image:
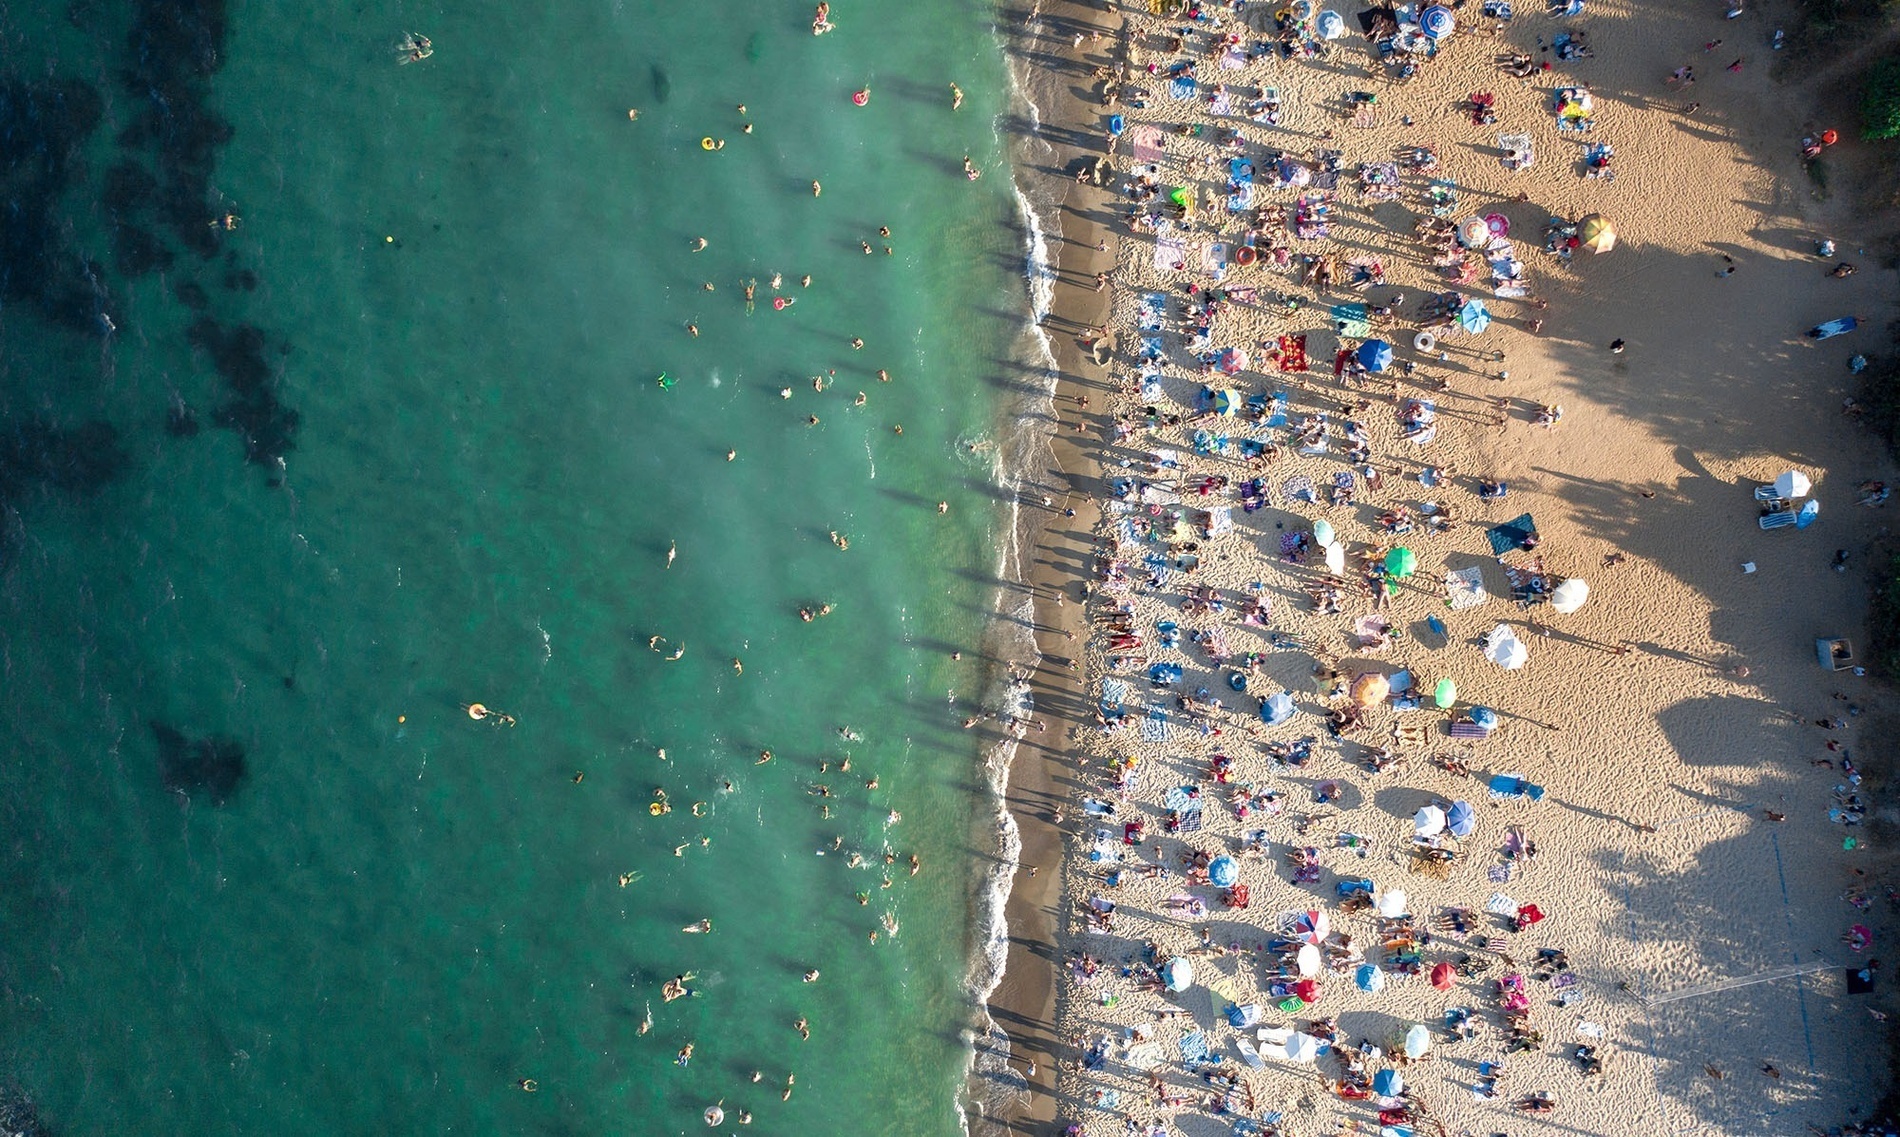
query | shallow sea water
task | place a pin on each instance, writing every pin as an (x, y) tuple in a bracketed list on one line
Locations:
[(465, 276)]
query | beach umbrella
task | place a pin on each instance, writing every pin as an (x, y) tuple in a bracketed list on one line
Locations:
[(1375, 355), (1810, 510), (1391, 904), (1569, 596), (1445, 694), (1311, 926), (1474, 233), (1502, 647), (1222, 872), (1179, 974), (1388, 1083), (1417, 1041), (1226, 402), (1401, 563), (1596, 234), (1335, 558), (1436, 21), (1277, 708), (1331, 25), (1369, 978), (1461, 819), (1474, 317), (1308, 961), (1429, 822), (1302, 1048), (1323, 532), (1443, 976), (1370, 689), (1484, 718), (1307, 990), (1181, 196), (1232, 359), (1792, 484), (1497, 224)]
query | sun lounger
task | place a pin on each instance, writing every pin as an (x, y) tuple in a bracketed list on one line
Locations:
[(1780, 519)]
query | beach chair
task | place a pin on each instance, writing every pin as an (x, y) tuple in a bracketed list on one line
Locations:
[(1779, 519)]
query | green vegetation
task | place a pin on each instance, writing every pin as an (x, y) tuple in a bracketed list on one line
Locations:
[(1880, 100)]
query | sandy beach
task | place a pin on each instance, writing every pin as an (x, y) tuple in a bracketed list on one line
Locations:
[(1689, 874)]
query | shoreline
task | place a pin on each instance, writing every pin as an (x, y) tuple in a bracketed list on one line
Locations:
[(1024, 1004)]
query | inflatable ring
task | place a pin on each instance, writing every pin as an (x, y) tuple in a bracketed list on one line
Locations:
[(1244, 255), (1424, 341), (708, 144), (779, 303), (861, 96)]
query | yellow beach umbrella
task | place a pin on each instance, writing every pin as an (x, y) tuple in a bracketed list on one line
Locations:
[(1596, 234)]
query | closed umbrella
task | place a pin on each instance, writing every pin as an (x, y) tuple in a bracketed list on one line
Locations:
[(1436, 21), (1323, 532), (1792, 484), (1277, 708), (1461, 819), (1596, 234), (1484, 717), (1429, 822), (1388, 1083), (1569, 596), (1369, 978), (1179, 974), (1474, 317), (1445, 694), (1375, 355), (1417, 1041), (1335, 558), (1307, 960), (1370, 689), (1443, 976), (1391, 904), (1222, 872)]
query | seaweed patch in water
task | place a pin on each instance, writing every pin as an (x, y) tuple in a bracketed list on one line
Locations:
[(213, 766), (267, 426), (36, 454), (46, 126)]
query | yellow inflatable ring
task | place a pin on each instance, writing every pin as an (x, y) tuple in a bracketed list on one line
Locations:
[(707, 144)]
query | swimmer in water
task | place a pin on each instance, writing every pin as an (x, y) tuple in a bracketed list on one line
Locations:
[(674, 658), (789, 1080), (731, 455), (646, 1023), (627, 878), (956, 96), (699, 243), (672, 551), (700, 928), (764, 757), (816, 189), (884, 231), (751, 288), (811, 976), (883, 376), (915, 864), (867, 247), (840, 540), (859, 401), (692, 330), (805, 281), (849, 735), (803, 1028), (685, 1054), (737, 667), (778, 278), (969, 169)]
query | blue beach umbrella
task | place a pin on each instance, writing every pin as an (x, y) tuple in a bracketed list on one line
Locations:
[(1222, 872), (1484, 717), (1375, 355), (1178, 975), (1277, 708), (1388, 1083), (1461, 819), (1474, 317), (1436, 21), (1369, 978)]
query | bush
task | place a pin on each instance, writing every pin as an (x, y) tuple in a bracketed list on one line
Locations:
[(1880, 100)]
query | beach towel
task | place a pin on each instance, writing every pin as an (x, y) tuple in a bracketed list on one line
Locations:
[(1350, 321), (1501, 905), (1464, 588), (1515, 534), (1234, 58), (1276, 413), (1221, 104), (1214, 259), (1379, 181), (1241, 198), (1154, 727), (1145, 143), (1169, 253), (1498, 874), (1151, 311), (1191, 819), (1115, 692), (1299, 487), (1253, 1060), (1514, 786), (1143, 1056), (1151, 349), (1194, 1052), (1182, 87), (1292, 353)]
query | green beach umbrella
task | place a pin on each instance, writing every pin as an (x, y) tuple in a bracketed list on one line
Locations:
[(1323, 532), (1446, 694), (1401, 562)]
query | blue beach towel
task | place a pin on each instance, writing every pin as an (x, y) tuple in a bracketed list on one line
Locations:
[(1515, 534), (1194, 1052), (1182, 87)]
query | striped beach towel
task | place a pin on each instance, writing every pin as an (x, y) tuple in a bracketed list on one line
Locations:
[(1154, 728)]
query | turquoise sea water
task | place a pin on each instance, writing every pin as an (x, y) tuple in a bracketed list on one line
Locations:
[(462, 279)]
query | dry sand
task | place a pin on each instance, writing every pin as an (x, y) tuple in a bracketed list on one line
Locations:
[(1661, 865)]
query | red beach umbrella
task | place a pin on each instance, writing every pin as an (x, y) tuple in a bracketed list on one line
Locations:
[(1442, 976), (1307, 990)]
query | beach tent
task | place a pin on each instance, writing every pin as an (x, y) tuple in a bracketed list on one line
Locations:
[(1388, 1083), (1436, 21), (1810, 510), (1369, 978), (1222, 872), (1335, 556), (1391, 904), (1311, 926), (1401, 563), (1445, 694), (1429, 821), (1461, 819), (1178, 975), (1370, 689), (1323, 532), (1276, 708), (1502, 647), (1484, 718), (1417, 1041), (1596, 234), (1375, 355), (1474, 317), (1569, 596), (1307, 960), (1443, 976), (1792, 484)]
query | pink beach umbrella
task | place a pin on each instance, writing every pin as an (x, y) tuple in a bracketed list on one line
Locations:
[(1497, 224), (1311, 926)]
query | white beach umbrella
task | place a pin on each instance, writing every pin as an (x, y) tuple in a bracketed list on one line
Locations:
[(1302, 1048), (1502, 647), (1323, 531), (1792, 484), (1309, 961), (1569, 596), (1179, 974), (1417, 1041), (1392, 904), (1427, 822)]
